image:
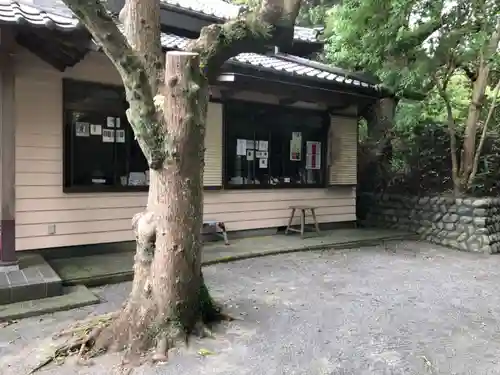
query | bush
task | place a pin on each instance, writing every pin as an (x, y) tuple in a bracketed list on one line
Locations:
[(421, 163)]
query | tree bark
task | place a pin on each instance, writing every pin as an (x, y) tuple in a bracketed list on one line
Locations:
[(466, 179), (380, 122), (141, 27), (168, 107), (479, 149), (165, 303)]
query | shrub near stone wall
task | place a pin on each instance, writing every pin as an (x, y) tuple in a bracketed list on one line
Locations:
[(469, 224)]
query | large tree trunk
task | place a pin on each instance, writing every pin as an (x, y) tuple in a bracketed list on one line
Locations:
[(168, 295), (168, 108)]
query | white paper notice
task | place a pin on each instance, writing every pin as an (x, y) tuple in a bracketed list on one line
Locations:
[(261, 154), (296, 146), (95, 129), (82, 129), (120, 136), (117, 122), (241, 147), (110, 122), (250, 144), (262, 163), (108, 135), (249, 155), (263, 145)]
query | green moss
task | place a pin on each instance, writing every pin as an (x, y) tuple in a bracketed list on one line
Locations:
[(209, 310)]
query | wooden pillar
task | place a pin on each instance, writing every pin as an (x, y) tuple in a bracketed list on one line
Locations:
[(8, 258)]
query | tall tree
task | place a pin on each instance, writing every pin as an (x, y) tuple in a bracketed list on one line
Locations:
[(415, 47), (168, 98)]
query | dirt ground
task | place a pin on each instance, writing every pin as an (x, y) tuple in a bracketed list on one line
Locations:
[(401, 308)]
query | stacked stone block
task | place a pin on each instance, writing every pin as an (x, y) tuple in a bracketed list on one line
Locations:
[(468, 224)]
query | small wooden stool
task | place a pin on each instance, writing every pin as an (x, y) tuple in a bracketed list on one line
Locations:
[(303, 210), (216, 227)]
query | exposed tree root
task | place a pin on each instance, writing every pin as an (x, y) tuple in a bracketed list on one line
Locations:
[(99, 334)]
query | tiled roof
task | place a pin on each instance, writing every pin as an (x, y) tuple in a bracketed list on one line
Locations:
[(54, 14), (12, 11), (277, 64), (20, 12), (216, 8), (171, 41), (306, 33)]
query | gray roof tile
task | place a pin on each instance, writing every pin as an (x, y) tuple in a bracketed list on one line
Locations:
[(274, 63), (307, 34), (53, 13), (20, 12), (14, 12), (215, 8), (277, 64)]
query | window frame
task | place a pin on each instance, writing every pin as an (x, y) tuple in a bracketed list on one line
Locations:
[(324, 114), (67, 148)]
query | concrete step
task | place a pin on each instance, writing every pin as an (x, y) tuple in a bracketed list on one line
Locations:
[(71, 298), (35, 279)]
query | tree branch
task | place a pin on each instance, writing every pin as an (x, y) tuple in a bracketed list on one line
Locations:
[(271, 24), (141, 27), (142, 113), (412, 39)]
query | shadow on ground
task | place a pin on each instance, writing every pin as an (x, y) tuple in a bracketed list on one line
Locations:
[(402, 308)]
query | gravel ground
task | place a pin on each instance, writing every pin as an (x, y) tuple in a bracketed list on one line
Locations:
[(402, 308)]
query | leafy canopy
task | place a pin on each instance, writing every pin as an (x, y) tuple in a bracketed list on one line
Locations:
[(407, 42)]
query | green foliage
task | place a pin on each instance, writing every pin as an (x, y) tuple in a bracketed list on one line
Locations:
[(410, 114), (411, 46), (407, 42), (313, 13), (423, 161)]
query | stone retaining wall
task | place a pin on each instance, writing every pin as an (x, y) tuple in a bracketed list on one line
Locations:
[(469, 224)]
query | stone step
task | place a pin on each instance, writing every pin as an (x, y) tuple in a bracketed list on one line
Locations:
[(35, 279)]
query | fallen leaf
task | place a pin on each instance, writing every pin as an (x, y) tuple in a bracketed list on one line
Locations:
[(205, 352)]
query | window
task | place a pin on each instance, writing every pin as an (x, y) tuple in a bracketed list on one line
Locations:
[(101, 153), (271, 146)]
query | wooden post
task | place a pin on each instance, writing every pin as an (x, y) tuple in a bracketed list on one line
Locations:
[(8, 258)]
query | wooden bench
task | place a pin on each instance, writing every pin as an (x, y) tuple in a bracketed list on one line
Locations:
[(216, 227), (302, 210)]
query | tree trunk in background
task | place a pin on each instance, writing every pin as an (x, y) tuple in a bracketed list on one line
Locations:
[(375, 160), (380, 123), (463, 183), (465, 179)]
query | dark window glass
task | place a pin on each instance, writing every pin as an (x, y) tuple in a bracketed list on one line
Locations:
[(271, 146), (100, 150)]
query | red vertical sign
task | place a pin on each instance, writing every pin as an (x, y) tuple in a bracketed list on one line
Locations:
[(313, 156)]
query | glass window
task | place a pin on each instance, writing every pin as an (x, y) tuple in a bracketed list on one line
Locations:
[(100, 150), (272, 146)]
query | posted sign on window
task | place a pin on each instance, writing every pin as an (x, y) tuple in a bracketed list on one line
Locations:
[(296, 147), (313, 155)]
